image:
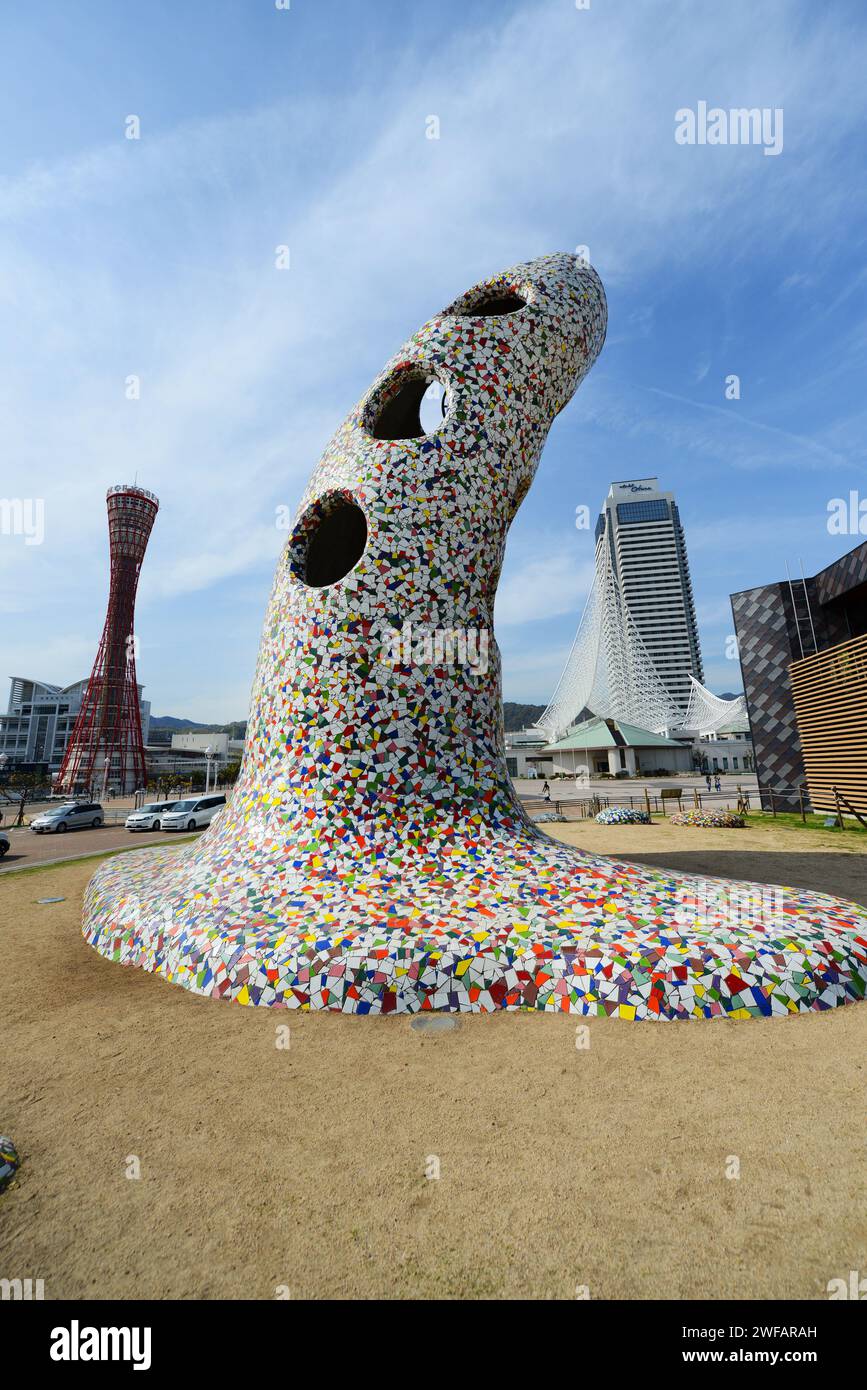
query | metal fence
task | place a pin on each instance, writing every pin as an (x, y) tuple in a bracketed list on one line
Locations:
[(659, 803), (772, 801)]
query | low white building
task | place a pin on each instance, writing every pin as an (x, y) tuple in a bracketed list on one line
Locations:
[(608, 746), (200, 743), (725, 753), (186, 754), (524, 756)]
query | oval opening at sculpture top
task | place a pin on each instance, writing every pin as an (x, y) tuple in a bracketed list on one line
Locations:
[(329, 541), (492, 306), (410, 409)]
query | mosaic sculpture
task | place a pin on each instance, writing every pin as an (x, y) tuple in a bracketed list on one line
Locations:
[(9, 1161), (374, 857)]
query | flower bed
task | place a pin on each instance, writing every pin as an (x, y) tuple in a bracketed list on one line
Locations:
[(622, 815), (709, 820)]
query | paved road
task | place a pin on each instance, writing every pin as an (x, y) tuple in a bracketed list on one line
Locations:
[(28, 848)]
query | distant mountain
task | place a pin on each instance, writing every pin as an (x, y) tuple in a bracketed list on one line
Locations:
[(237, 729), (168, 721), (516, 716), (189, 726), (727, 695)]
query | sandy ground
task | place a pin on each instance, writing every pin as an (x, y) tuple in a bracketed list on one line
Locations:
[(821, 861), (304, 1166)]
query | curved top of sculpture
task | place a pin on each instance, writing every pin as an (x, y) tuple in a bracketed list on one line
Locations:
[(399, 540), (374, 855)]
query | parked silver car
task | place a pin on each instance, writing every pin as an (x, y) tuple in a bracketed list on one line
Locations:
[(193, 813), (149, 817), (69, 815)]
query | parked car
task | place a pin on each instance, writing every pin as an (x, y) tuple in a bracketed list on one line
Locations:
[(149, 817), (5, 842), (69, 815), (193, 813)]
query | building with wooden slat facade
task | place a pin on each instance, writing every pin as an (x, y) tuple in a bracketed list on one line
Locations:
[(830, 696), (790, 623)]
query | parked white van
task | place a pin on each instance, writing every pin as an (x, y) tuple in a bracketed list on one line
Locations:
[(193, 813), (149, 817)]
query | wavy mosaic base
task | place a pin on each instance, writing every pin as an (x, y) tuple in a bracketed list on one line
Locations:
[(536, 926), (374, 857)]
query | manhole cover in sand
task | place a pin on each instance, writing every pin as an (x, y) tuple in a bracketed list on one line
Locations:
[(433, 1023)]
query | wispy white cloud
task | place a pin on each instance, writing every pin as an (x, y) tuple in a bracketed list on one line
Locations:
[(543, 586)]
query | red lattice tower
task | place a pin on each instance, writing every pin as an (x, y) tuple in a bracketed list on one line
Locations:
[(105, 748)]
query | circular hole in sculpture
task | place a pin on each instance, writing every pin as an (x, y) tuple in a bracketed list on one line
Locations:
[(329, 541), (492, 306), (409, 407)]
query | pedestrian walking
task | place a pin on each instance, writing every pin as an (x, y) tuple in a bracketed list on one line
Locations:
[(546, 792), (717, 783)]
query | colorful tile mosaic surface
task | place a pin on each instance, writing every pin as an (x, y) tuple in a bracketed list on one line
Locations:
[(374, 857), (9, 1161)]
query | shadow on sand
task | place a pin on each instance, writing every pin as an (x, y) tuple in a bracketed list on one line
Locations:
[(841, 875)]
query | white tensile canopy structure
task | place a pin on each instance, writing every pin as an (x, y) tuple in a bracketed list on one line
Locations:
[(707, 713), (610, 672)]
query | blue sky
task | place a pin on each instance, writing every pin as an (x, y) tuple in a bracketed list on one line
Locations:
[(306, 127)]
